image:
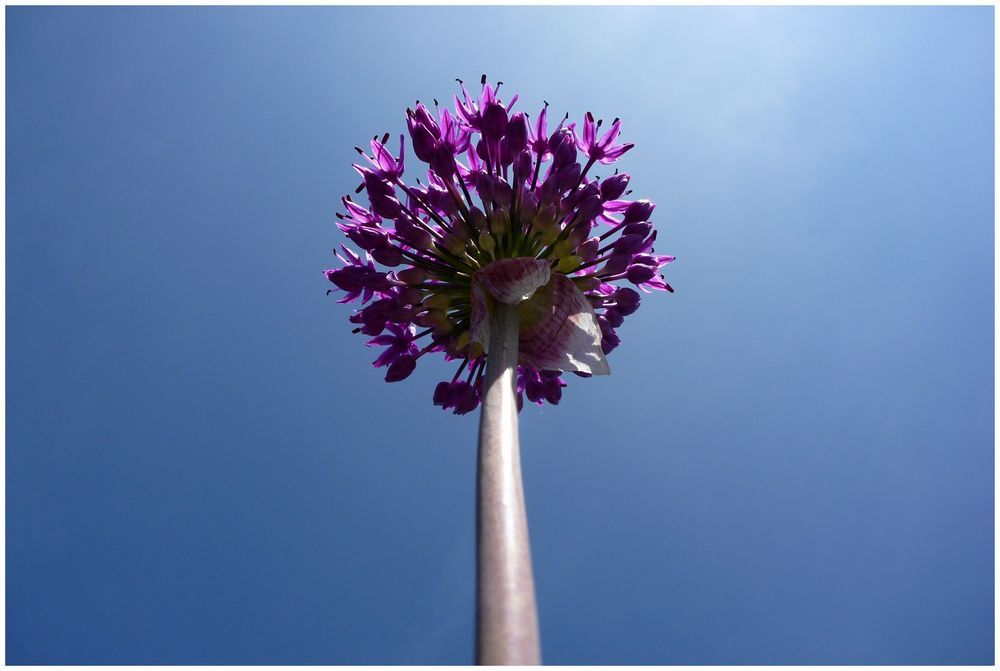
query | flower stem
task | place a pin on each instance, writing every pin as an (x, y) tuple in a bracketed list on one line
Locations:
[(506, 616)]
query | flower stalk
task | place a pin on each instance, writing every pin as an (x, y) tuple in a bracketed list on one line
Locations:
[(513, 273), (506, 615)]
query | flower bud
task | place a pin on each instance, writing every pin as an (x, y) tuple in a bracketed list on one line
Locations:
[(558, 137), (522, 166), (568, 177), (443, 328), (483, 150), (423, 142), (439, 300), (565, 154), (617, 263), (423, 319), (613, 187), (529, 206), (502, 193), (549, 236), (638, 211), (626, 300), (588, 249), (517, 133), (389, 255), (423, 117), (348, 278), (409, 296), (581, 231), (638, 273), (639, 228), (486, 242), (412, 275), (499, 223), (444, 394), (368, 237), (545, 219), (454, 244), (494, 122), (589, 208), (610, 342), (413, 235), (506, 155), (568, 264), (563, 248), (629, 244), (401, 368), (466, 398), (443, 161), (484, 185), (477, 219)]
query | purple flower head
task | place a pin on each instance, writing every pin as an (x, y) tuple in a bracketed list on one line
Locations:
[(507, 212)]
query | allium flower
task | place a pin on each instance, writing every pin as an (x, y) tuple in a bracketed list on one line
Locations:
[(506, 213)]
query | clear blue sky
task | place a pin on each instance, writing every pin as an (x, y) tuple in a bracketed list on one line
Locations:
[(792, 462)]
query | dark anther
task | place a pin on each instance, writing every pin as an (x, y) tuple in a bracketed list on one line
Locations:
[(435, 102), (359, 150), (629, 192), (546, 102), (361, 187), (599, 122), (482, 79), (616, 120), (459, 80), (385, 138)]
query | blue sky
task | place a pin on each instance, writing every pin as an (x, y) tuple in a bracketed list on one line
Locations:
[(791, 463)]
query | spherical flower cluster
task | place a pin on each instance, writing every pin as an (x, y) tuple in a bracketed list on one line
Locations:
[(509, 214)]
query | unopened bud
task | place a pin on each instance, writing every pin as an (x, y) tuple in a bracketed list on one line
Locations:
[(438, 301), (454, 244), (568, 264), (499, 223), (486, 242), (412, 275)]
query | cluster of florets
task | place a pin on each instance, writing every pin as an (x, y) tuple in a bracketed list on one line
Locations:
[(533, 201)]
